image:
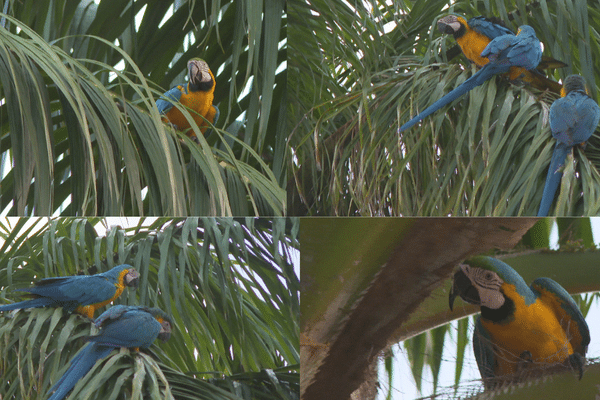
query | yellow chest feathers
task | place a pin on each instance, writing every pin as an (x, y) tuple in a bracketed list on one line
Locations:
[(472, 44), (200, 102), (535, 328)]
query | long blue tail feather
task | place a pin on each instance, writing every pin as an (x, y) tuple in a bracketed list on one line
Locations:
[(478, 79), (553, 178), (80, 366), (33, 303)]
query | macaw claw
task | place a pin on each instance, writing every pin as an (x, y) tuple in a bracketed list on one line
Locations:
[(576, 362)]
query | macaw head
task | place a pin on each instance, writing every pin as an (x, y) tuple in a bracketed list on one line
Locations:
[(489, 283), (124, 274), (574, 83), (200, 75), (132, 278), (526, 30), (129, 276), (165, 323), (452, 24)]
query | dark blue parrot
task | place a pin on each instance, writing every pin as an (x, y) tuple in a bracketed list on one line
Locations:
[(120, 326), (521, 50), (83, 294), (520, 327), (573, 119)]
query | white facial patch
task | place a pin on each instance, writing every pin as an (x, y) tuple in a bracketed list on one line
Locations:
[(488, 285), (455, 26), (204, 69), (200, 68)]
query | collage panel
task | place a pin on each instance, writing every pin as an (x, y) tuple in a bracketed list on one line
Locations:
[(143, 107), (415, 308), (149, 308), (444, 108)]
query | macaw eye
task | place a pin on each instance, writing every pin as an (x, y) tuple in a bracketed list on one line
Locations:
[(489, 276)]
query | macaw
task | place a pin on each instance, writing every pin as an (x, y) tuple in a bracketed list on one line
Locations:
[(475, 34), (573, 119), (520, 327), (504, 52), (83, 294), (120, 326), (197, 95)]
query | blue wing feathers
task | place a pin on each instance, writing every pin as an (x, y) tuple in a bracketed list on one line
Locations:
[(488, 28), (141, 330), (163, 105), (112, 314), (70, 291), (78, 289), (482, 347), (217, 114)]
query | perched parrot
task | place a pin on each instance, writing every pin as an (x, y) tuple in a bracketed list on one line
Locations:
[(573, 119), (475, 34), (83, 294), (520, 327), (198, 96), (120, 326), (504, 52)]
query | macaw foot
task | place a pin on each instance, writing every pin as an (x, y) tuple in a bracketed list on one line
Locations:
[(576, 362), (86, 312), (526, 356), (525, 360), (87, 318)]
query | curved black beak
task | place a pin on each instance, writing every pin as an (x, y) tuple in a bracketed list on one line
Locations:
[(165, 331), (194, 73), (445, 28), (462, 286), (132, 278)]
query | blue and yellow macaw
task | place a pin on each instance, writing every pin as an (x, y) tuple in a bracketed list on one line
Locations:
[(83, 294), (504, 52), (475, 34), (120, 326), (520, 327), (197, 95), (573, 119)]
